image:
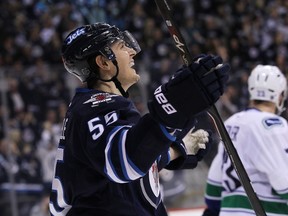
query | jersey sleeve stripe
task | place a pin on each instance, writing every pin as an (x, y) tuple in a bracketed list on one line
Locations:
[(130, 171), (166, 133), (169, 157), (108, 168)]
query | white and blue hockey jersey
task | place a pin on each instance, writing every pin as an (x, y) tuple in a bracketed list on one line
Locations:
[(261, 140)]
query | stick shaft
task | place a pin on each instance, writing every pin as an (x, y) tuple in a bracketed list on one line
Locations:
[(166, 13)]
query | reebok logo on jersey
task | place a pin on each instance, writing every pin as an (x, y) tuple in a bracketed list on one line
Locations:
[(271, 122), (98, 98)]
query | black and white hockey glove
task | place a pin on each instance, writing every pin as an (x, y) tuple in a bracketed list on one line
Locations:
[(191, 90), (195, 140), (192, 148)]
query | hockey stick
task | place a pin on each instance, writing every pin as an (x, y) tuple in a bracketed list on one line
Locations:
[(165, 11)]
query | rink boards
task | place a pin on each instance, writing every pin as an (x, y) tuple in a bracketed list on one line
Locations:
[(186, 212)]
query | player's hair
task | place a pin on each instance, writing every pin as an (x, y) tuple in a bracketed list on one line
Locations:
[(83, 44), (267, 83)]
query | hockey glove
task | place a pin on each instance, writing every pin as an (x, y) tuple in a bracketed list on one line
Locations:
[(194, 141), (179, 162), (193, 148), (191, 90)]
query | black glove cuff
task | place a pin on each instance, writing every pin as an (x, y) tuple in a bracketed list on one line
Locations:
[(191, 162), (178, 162)]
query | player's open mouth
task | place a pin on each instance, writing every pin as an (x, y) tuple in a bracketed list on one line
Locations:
[(132, 64)]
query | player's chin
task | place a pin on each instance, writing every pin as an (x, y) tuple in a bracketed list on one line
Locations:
[(135, 75), (137, 78), (132, 80)]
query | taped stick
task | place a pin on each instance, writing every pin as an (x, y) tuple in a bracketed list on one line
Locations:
[(166, 13)]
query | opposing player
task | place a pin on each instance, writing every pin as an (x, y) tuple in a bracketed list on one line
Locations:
[(109, 156), (261, 139)]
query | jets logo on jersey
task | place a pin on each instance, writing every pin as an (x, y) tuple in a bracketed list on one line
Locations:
[(271, 122), (98, 98)]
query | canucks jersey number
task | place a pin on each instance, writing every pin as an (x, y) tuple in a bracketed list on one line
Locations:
[(231, 181)]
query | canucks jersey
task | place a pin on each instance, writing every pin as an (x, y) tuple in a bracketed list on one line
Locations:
[(108, 159), (261, 140)]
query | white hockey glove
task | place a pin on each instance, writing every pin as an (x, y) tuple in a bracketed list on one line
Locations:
[(192, 146), (195, 140)]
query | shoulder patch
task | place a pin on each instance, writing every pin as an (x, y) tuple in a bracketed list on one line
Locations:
[(272, 122), (99, 98)]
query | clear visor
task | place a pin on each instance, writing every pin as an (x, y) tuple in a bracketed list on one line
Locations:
[(130, 41)]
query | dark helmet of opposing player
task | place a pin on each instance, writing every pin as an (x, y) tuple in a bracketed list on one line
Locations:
[(89, 41)]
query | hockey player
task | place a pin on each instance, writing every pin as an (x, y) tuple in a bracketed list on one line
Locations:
[(261, 139), (109, 156)]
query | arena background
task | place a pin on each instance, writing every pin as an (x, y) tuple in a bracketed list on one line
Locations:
[(35, 88)]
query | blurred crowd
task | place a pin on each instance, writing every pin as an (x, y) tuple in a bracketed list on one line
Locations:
[(35, 88)]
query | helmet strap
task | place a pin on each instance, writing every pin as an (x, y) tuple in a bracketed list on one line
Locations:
[(117, 83), (119, 87), (113, 79)]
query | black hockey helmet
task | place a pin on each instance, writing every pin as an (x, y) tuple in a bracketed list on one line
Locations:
[(92, 40)]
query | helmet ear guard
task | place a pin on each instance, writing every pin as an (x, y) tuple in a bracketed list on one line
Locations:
[(267, 83)]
